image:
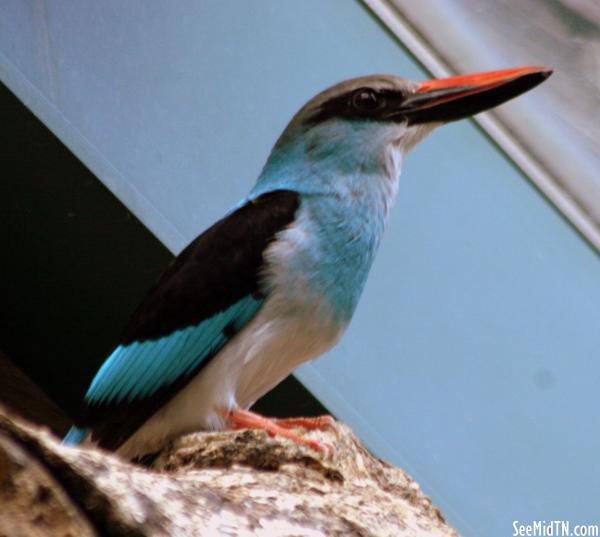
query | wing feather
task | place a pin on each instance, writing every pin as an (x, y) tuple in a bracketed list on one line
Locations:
[(206, 295), (139, 369)]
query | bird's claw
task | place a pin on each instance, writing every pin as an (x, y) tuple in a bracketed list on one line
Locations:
[(319, 423), (244, 419)]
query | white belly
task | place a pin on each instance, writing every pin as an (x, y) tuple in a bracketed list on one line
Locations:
[(276, 341)]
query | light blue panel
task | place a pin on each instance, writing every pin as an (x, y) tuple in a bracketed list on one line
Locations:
[(160, 98), (472, 360)]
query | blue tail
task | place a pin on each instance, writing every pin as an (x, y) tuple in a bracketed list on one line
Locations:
[(76, 435)]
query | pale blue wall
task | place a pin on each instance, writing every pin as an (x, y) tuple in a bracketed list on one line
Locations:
[(473, 357)]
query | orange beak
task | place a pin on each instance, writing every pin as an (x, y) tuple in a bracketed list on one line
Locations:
[(448, 99)]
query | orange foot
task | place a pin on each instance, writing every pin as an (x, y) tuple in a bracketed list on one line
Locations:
[(244, 419)]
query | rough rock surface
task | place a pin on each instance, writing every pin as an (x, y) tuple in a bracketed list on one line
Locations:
[(233, 483)]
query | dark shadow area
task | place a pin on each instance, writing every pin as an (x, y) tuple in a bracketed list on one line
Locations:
[(75, 264)]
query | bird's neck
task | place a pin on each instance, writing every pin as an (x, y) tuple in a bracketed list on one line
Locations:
[(325, 163)]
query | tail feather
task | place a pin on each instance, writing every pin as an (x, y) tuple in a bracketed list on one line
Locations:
[(76, 435)]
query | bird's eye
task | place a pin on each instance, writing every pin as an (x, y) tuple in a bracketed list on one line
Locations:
[(367, 100)]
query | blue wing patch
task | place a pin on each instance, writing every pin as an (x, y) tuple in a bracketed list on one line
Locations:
[(139, 369), (76, 435)]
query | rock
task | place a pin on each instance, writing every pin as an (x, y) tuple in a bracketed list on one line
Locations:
[(230, 483)]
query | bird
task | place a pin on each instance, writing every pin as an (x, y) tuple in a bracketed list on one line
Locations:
[(276, 281)]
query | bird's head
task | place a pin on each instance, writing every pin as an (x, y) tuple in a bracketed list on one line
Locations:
[(365, 125)]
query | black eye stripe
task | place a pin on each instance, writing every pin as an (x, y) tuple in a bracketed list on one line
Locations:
[(360, 103)]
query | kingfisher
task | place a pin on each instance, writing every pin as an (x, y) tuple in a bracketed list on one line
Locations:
[(276, 281)]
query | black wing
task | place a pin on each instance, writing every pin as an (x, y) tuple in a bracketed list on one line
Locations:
[(212, 288)]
